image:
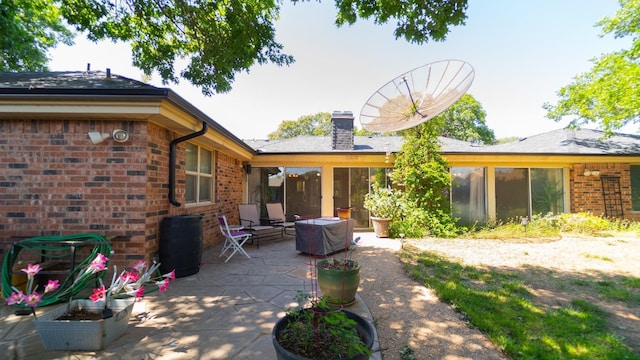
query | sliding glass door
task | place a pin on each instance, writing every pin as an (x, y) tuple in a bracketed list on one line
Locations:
[(303, 191), (468, 194), (523, 192)]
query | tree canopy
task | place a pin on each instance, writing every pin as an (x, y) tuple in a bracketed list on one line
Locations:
[(28, 29), (217, 38), (608, 94), (465, 120), (309, 125)]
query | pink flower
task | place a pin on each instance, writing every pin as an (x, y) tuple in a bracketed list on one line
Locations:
[(171, 275), (99, 263), (129, 277), (15, 298), (98, 294), (51, 286), (32, 299), (140, 292), (32, 270), (139, 266), (163, 285)]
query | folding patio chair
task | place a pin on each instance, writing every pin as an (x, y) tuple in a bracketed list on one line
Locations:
[(233, 239), (250, 221), (278, 218)]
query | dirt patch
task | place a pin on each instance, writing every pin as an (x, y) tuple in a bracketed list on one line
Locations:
[(558, 271)]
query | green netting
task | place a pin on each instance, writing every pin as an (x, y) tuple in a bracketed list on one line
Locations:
[(55, 247)]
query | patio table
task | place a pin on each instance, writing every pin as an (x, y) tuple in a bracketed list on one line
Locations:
[(323, 236)]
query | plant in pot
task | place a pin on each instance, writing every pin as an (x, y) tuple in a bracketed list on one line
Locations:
[(383, 203), (339, 278), (320, 331), (90, 324)]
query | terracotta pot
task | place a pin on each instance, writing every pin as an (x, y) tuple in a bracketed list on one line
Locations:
[(344, 213), (381, 226)]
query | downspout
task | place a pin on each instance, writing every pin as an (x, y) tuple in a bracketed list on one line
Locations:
[(172, 161)]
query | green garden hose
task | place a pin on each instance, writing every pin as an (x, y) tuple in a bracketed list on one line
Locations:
[(42, 246)]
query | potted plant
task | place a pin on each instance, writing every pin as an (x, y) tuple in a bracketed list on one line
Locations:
[(321, 332), (339, 278), (383, 204), (90, 324)]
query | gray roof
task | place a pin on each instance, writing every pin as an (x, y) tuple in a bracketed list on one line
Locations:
[(570, 142), (322, 144), (558, 142), (70, 82), (97, 84), (82, 84)]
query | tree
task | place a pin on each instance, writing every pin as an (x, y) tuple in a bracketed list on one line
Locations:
[(28, 29), (465, 120), (308, 125), (420, 168), (423, 175), (218, 38), (417, 20), (608, 94)]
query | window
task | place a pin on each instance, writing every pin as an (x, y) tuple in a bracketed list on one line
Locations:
[(522, 192), (546, 191), (635, 187), (468, 194), (199, 169)]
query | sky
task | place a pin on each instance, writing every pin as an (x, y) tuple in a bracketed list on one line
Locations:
[(522, 52)]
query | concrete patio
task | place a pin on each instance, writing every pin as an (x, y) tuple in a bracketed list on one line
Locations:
[(226, 310)]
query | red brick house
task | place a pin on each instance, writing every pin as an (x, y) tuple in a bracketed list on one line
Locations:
[(55, 181), (63, 170)]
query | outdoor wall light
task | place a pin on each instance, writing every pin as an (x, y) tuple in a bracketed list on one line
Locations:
[(588, 172), (118, 135)]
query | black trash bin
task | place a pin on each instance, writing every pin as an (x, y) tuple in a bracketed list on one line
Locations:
[(181, 244)]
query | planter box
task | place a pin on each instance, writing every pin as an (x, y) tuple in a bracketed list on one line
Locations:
[(88, 335)]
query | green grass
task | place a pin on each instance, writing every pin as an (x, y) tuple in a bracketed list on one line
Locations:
[(551, 227), (597, 257), (499, 304)]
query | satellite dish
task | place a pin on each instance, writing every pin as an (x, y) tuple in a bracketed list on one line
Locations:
[(416, 96)]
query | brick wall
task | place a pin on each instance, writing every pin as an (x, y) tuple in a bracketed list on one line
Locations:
[(54, 181), (586, 191)]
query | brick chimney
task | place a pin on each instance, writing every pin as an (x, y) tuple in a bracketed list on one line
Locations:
[(342, 130)]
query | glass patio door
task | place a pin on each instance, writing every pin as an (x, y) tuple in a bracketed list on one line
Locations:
[(349, 187), (525, 192), (468, 194), (303, 191)]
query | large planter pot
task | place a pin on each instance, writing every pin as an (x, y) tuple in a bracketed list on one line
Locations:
[(338, 286), (381, 226), (364, 328), (87, 335)]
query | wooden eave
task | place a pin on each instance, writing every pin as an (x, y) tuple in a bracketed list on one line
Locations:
[(321, 159), (163, 110), (476, 159)]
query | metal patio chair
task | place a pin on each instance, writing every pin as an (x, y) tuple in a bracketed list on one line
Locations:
[(250, 221), (234, 238), (278, 218)]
